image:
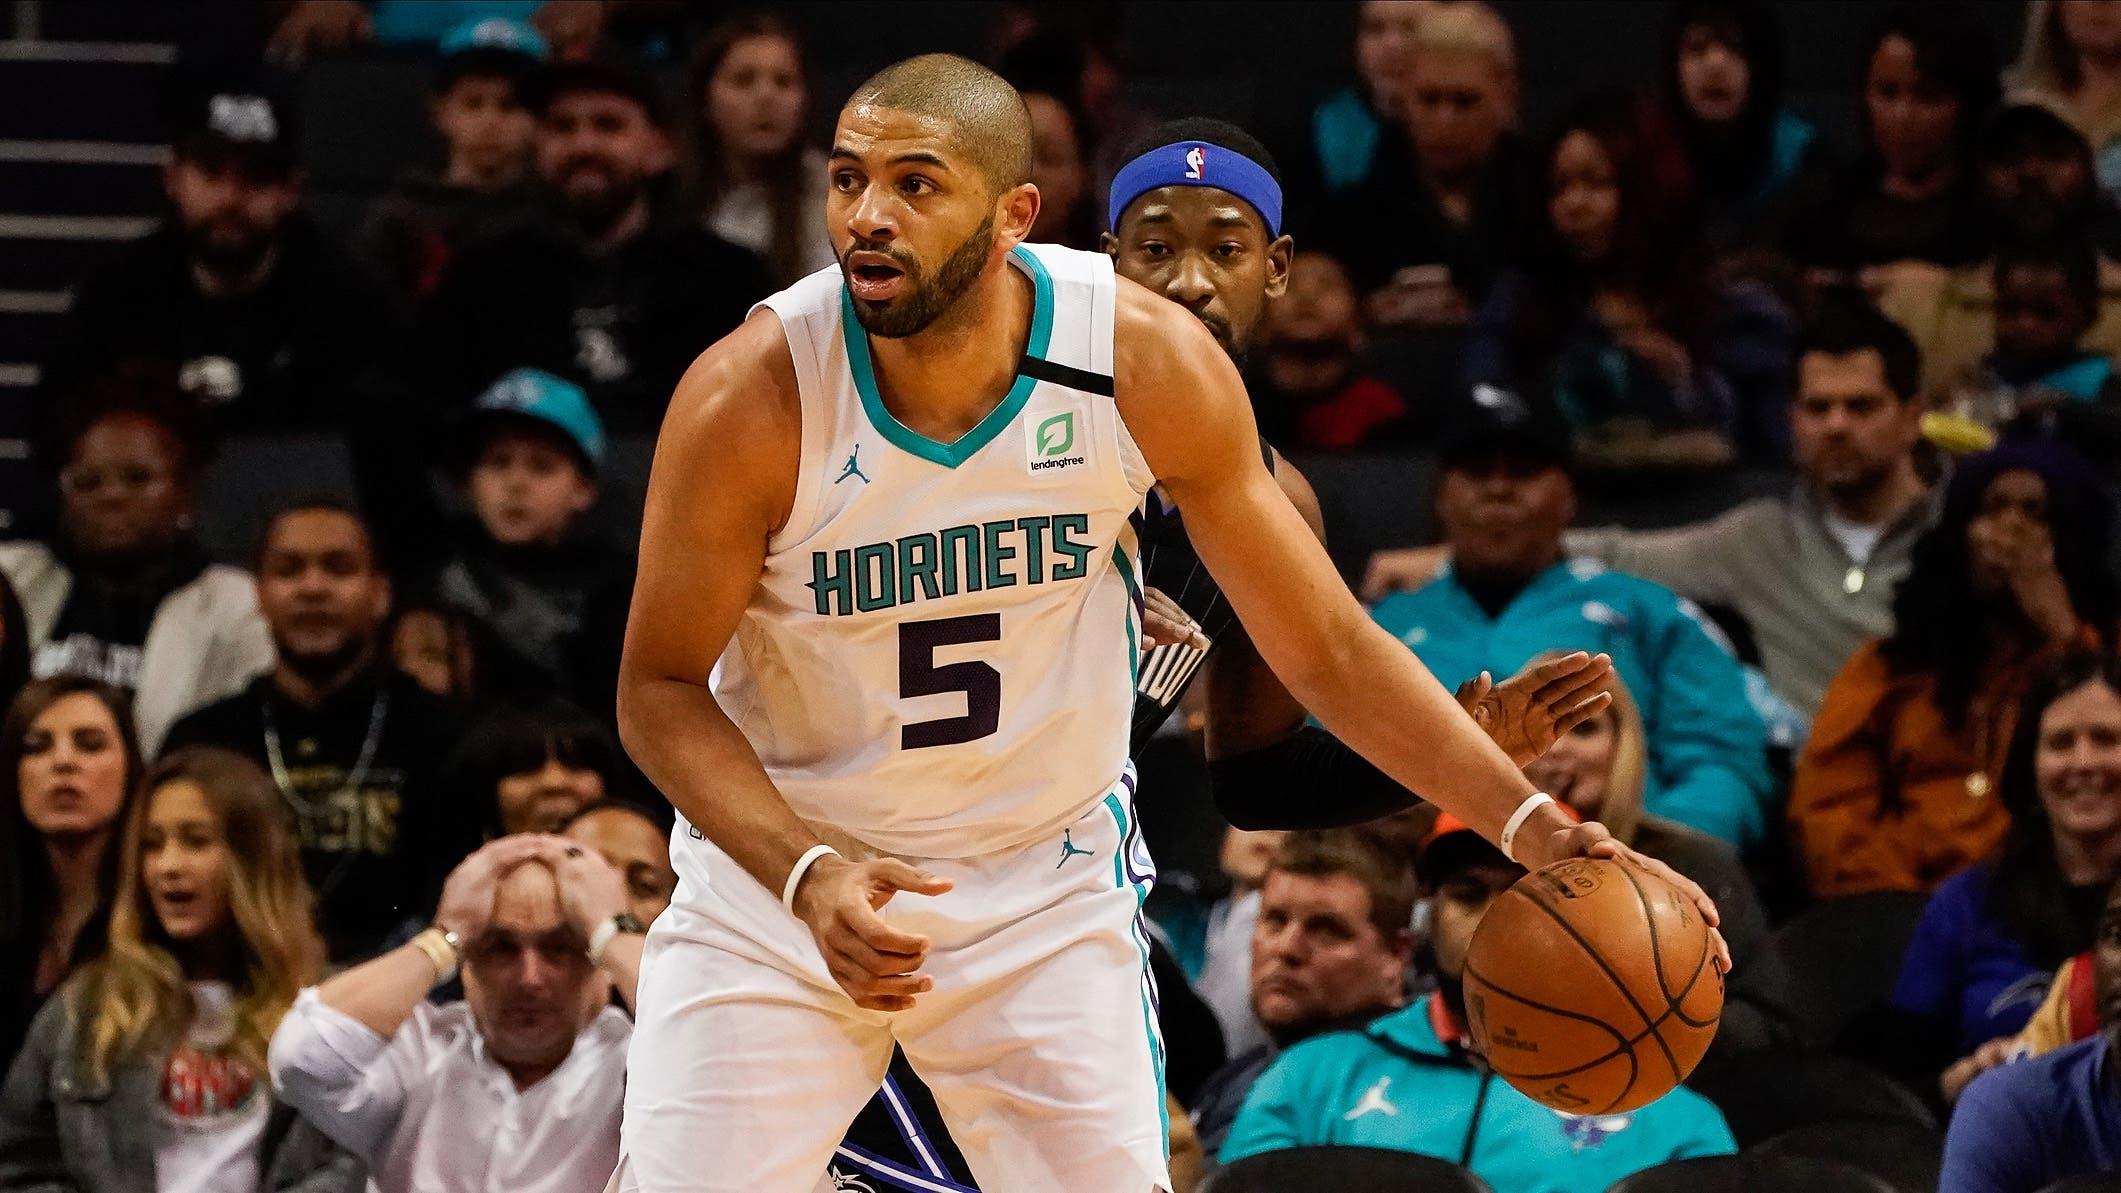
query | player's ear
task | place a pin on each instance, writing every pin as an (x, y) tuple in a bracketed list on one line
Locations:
[(1015, 212), (1280, 255), (1108, 244)]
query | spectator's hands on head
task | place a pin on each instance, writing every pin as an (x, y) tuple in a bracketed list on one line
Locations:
[(592, 892), (1545, 702), (467, 895), (314, 27)]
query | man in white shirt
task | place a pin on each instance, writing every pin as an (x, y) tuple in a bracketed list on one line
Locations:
[(516, 1087)]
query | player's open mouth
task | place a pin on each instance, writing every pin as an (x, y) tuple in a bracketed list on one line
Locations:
[(874, 277)]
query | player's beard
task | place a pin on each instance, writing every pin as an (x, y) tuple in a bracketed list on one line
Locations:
[(924, 301)]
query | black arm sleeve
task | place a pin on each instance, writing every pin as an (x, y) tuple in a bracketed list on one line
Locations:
[(1306, 780)]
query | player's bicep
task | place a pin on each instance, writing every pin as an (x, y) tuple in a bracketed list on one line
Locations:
[(722, 481)]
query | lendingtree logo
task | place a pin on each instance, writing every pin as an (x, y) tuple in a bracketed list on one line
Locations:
[(1057, 434)]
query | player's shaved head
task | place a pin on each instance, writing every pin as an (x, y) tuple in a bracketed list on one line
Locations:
[(987, 118)]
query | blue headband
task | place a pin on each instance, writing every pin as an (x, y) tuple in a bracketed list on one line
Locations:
[(1198, 163)]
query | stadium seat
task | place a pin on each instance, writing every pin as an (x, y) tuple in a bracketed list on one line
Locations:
[(1752, 1174), (1764, 1094), (1903, 1155), (1843, 956), (1346, 1170)]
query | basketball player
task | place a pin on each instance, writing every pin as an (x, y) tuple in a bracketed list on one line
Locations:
[(922, 680), (1189, 208)]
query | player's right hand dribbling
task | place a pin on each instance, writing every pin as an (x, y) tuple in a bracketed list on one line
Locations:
[(876, 964)]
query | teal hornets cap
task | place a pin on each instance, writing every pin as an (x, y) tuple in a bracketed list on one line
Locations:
[(494, 34), (552, 401)]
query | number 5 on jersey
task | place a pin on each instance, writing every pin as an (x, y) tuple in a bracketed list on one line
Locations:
[(919, 675)]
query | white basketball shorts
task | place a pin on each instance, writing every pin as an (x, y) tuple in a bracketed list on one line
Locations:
[(1039, 1039)]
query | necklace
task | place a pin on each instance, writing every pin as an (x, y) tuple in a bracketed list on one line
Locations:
[(304, 807)]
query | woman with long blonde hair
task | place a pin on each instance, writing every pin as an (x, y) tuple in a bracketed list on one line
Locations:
[(164, 1036), (1599, 768)]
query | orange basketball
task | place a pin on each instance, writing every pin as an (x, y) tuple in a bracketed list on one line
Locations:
[(1591, 985)]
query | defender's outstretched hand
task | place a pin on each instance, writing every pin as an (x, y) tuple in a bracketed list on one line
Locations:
[(1530, 711)]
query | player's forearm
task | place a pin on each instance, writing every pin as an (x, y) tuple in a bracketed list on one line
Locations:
[(688, 747), (1373, 694)]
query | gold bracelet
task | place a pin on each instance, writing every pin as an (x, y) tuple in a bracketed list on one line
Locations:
[(440, 945)]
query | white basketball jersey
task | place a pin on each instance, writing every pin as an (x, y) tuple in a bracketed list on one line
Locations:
[(940, 657)]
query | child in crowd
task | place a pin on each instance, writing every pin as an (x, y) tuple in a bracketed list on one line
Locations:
[(481, 113), (2047, 298), (1309, 384), (551, 592)]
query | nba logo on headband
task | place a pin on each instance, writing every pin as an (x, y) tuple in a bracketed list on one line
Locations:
[(1196, 162)]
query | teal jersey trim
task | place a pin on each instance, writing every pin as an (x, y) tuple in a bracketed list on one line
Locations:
[(1118, 808), (950, 455), (1125, 567)]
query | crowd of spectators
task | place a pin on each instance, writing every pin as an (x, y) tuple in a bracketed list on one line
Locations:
[(252, 815)]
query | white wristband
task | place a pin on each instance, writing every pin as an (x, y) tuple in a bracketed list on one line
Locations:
[(1508, 840), (802, 867)]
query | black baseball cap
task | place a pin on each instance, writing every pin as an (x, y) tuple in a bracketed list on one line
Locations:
[(240, 127), (1524, 442), (607, 75)]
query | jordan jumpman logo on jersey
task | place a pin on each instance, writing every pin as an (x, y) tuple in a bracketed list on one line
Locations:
[(853, 467), (1070, 849)]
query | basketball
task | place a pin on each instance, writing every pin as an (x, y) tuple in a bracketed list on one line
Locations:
[(1591, 986)]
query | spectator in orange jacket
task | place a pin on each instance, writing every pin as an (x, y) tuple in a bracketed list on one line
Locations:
[(1896, 788)]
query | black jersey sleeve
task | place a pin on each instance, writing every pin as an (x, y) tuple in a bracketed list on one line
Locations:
[(1309, 779)]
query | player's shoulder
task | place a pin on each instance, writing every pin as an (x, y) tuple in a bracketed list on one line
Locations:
[(1153, 338), (743, 384)]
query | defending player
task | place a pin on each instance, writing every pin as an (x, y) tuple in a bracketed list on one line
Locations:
[(935, 664), (1196, 212)]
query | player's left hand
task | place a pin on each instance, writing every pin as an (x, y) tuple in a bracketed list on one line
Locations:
[(1530, 711), (1592, 839)]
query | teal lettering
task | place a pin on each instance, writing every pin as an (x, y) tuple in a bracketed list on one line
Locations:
[(875, 577), (960, 543), (998, 554), (834, 587), (1034, 529), (1078, 554), (916, 561)]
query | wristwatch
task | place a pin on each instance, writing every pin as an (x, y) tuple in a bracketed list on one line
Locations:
[(624, 923)]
